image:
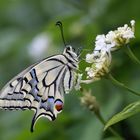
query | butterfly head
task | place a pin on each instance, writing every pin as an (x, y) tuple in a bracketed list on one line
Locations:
[(69, 52)]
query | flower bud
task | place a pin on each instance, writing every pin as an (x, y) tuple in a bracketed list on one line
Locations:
[(89, 101)]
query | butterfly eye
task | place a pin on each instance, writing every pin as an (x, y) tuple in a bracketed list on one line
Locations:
[(58, 105), (68, 48)]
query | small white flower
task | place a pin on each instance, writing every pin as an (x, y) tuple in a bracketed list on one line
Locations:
[(106, 43), (120, 37), (128, 34), (100, 66), (99, 43), (125, 32), (110, 41), (90, 72), (110, 37), (89, 58), (100, 37), (132, 23)]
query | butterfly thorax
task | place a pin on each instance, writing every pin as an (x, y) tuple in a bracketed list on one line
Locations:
[(71, 56)]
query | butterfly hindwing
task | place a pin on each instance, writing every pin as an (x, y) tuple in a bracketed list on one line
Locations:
[(41, 87)]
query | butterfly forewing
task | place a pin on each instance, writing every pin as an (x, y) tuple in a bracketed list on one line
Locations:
[(40, 87)]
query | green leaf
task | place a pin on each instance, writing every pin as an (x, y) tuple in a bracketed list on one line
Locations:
[(127, 112)]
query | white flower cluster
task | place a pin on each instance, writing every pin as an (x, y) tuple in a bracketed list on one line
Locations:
[(100, 59), (115, 39)]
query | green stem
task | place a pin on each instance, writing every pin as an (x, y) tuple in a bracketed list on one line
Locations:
[(129, 52), (96, 111), (116, 82), (99, 116)]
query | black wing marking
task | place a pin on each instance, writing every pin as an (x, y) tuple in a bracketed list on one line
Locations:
[(40, 87), (68, 80), (51, 97), (27, 77)]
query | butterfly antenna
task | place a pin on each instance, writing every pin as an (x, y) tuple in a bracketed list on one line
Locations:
[(59, 23)]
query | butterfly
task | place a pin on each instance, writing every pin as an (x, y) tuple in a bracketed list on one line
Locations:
[(41, 87)]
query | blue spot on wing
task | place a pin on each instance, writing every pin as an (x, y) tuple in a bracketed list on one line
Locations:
[(33, 83), (49, 104), (33, 74)]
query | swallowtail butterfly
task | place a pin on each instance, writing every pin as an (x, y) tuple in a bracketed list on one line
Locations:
[(41, 87)]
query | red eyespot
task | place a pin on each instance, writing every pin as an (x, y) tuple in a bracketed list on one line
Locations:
[(59, 105)]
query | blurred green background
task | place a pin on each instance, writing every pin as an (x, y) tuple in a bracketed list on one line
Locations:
[(28, 34)]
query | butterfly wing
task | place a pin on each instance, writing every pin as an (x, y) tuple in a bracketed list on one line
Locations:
[(40, 87)]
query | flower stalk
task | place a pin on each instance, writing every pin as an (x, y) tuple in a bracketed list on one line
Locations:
[(129, 52), (91, 103), (101, 119), (122, 85)]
